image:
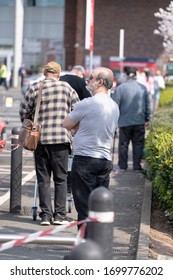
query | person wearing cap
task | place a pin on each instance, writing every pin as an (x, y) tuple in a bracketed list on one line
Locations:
[(77, 81), (94, 121), (51, 156), (134, 104)]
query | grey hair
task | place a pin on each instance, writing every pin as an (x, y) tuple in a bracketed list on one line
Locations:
[(107, 81), (79, 68)]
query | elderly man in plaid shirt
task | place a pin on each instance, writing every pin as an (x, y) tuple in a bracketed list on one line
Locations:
[(51, 156)]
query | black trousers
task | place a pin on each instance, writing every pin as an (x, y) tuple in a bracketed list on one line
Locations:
[(52, 159), (3, 81), (87, 174), (135, 134)]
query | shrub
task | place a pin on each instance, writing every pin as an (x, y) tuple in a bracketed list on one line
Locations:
[(163, 119), (159, 157), (166, 97)]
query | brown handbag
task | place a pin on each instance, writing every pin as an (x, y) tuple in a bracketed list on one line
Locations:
[(30, 131)]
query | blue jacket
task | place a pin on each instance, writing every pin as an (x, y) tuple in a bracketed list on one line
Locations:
[(134, 104)]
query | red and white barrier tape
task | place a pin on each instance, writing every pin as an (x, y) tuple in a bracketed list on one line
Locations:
[(81, 234), (3, 144), (33, 236)]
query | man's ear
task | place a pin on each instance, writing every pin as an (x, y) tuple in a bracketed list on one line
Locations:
[(100, 82)]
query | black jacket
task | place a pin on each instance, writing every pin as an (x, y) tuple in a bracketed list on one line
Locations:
[(78, 84)]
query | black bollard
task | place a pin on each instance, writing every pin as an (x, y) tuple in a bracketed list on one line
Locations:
[(16, 173), (101, 206), (88, 250)]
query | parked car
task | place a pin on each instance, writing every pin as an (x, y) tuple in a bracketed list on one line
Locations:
[(30, 79)]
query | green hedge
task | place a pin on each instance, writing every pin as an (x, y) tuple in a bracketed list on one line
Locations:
[(163, 119), (159, 154), (166, 97)]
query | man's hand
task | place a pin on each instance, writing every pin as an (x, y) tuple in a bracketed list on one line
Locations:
[(74, 129)]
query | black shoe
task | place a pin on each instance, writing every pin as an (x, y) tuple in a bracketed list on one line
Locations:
[(62, 220), (45, 220)]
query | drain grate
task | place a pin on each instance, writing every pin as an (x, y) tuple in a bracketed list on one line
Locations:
[(29, 251)]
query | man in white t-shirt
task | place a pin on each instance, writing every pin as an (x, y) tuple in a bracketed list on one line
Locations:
[(93, 121)]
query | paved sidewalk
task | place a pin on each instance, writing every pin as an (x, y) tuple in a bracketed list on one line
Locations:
[(132, 202)]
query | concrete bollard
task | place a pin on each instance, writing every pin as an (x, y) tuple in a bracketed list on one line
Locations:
[(16, 174), (88, 250), (101, 206)]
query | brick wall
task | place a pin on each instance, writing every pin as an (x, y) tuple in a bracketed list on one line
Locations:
[(70, 32), (136, 17)]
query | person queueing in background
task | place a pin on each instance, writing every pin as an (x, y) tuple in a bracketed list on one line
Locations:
[(146, 78), (3, 75), (94, 121), (159, 85), (22, 73), (51, 156), (134, 104), (76, 79)]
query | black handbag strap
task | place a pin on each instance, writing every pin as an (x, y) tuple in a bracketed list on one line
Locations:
[(38, 102)]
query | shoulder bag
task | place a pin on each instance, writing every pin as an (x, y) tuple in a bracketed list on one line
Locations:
[(30, 131)]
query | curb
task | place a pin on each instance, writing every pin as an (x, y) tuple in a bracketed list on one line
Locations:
[(144, 230)]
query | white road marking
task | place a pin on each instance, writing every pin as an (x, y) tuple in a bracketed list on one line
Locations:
[(6, 196), (7, 170), (28, 177)]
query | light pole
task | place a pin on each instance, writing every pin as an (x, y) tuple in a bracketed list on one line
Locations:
[(89, 32)]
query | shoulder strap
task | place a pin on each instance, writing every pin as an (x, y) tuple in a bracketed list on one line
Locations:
[(38, 102)]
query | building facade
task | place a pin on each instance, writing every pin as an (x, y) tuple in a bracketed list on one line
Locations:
[(135, 17), (55, 30)]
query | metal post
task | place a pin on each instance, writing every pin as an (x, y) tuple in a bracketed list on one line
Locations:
[(101, 207), (43, 240), (16, 173), (121, 50)]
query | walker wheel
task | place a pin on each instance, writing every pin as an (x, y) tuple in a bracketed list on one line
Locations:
[(34, 213), (69, 207), (34, 217)]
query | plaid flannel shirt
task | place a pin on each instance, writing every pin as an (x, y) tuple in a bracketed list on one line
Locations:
[(58, 99)]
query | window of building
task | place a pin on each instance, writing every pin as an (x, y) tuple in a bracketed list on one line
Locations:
[(30, 3), (7, 2), (35, 3), (50, 3), (44, 3)]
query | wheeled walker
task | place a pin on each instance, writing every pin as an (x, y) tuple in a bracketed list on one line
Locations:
[(69, 194)]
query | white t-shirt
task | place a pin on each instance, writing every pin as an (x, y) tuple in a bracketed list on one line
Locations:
[(98, 119)]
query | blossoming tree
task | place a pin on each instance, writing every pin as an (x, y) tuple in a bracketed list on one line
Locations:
[(165, 27)]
